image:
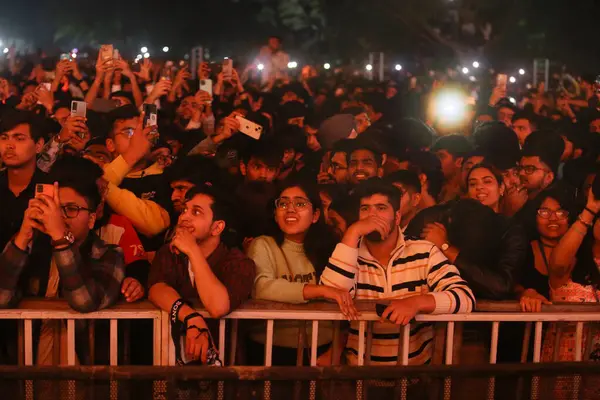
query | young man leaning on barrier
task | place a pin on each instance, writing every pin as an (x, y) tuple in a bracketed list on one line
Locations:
[(375, 262), (196, 266), (57, 254)]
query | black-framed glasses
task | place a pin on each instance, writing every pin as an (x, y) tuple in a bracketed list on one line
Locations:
[(530, 169), (546, 213), (299, 203), (72, 211)]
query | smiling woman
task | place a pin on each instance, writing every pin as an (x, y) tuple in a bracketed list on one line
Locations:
[(288, 265)]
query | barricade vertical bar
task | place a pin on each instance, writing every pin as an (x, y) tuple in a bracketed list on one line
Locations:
[(314, 343), (537, 351), (234, 339), (578, 357), (493, 358), (268, 357), (222, 332), (361, 357), (71, 356), (335, 355), (28, 345), (157, 328), (403, 343), (92, 340), (369, 342), (114, 355), (449, 347)]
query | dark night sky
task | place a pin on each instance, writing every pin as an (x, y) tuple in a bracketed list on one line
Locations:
[(559, 29)]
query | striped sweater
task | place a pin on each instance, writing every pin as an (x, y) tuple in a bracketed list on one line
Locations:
[(415, 267)]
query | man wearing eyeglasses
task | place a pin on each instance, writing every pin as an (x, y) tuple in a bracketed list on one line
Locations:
[(537, 168), (57, 254)]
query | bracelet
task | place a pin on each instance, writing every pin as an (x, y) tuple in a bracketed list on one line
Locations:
[(587, 224), (190, 316), (175, 310), (590, 211)]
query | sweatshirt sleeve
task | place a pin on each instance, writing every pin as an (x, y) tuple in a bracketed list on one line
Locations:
[(341, 269), (451, 293), (146, 216), (267, 285), (116, 171)]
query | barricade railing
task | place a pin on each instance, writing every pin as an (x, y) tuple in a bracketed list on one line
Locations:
[(446, 344)]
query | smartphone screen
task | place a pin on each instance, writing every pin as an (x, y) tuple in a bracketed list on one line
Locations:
[(227, 69), (501, 80)]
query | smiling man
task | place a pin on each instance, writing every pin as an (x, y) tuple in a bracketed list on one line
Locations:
[(364, 162)]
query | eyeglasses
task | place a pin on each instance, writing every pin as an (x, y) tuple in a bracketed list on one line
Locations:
[(164, 160), (72, 211), (530, 169), (299, 203), (127, 132), (546, 213), (337, 167)]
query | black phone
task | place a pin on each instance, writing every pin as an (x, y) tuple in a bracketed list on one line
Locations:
[(596, 186), (380, 308), (150, 115)]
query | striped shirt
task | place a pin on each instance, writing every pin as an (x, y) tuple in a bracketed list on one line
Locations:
[(415, 267)]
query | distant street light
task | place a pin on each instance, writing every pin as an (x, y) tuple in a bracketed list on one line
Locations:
[(521, 71), (260, 67), (465, 70), (369, 67), (512, 79), (144, 49), (146, 55), (6, 50), (326, 65), (166, 49), (475, 64), (398, 67)]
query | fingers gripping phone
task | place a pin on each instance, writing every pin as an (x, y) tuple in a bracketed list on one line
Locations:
[(78, 109), (501, 81), (150, 115), (107, 53)]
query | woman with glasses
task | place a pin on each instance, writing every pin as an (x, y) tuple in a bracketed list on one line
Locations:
[(288, 266), (552, 220)]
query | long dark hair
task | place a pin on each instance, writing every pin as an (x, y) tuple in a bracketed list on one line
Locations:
[(320, 240)]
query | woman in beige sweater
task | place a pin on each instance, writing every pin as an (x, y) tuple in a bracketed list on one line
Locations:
[(288, 267)]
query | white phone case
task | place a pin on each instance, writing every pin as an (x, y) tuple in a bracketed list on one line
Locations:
[(249, 128)]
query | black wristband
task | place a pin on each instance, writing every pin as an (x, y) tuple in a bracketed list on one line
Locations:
[(590, 211), (190, 316), (175, 310)]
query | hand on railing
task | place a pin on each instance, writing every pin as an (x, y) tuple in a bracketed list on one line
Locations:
[(197, 340), (344, 300), (403, 311), (132, 289), (531, 301)]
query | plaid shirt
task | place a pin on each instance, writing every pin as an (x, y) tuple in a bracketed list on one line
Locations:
[(90, 274)]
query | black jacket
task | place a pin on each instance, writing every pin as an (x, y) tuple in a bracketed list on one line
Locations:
[(493, 248)]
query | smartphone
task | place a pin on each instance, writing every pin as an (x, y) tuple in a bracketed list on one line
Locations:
[(46, 85), (44, 190), (227, 69), (78, 109), (249, 128), (150, 115), (596, 187), (116, 54), (502, 80), (206, 85), (380, 308), (107, 53), (65, 57)]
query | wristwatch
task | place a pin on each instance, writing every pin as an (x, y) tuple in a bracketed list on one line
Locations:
[(445, 246), (67, 240)]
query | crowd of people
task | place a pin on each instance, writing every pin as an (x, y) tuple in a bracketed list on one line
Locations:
[(355, 190)]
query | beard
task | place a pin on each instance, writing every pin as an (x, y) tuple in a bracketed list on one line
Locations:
[(375, 236)]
